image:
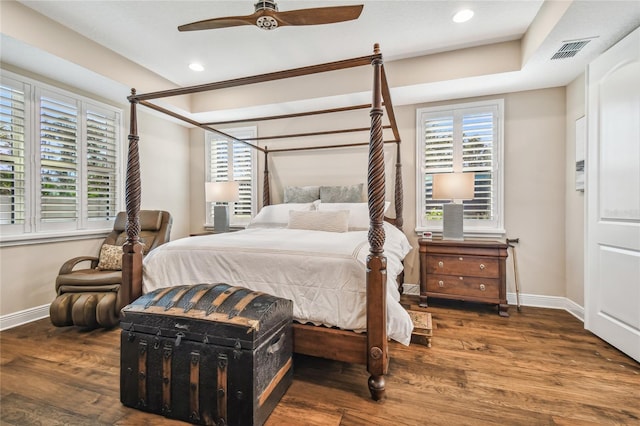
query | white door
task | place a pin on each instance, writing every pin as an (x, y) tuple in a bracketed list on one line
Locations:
[(612, 267)]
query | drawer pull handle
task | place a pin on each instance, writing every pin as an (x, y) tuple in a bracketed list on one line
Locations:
[(482, 266), (441, 264), (482, 287), (441, 283), (461, 278), (460, 259)]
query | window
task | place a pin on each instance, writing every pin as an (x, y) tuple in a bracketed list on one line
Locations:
[(233, 160), (461, 138), (59, 167)]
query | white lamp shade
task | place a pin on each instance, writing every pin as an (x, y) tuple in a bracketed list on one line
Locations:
[(453, 186), (222, 191)]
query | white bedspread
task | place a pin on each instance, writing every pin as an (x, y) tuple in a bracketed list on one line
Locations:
[(323, 273)]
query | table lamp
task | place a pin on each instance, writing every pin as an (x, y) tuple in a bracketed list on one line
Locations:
[(222, 192), (455, 187)]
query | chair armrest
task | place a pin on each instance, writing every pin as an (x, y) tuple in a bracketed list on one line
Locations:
[(68, 266)]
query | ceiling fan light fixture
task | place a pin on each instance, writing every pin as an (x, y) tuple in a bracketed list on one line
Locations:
[(194, 66), (463, 16), (267, 22)]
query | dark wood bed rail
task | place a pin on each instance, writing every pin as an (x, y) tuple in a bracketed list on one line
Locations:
[(371, 348)]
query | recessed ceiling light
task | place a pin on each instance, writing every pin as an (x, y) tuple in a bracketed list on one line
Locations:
[(463, 16), (196, 67)]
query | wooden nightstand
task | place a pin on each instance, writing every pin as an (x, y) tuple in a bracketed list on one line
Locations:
[(470, 270)]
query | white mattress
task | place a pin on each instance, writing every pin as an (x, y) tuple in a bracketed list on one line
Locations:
[(323, 273)]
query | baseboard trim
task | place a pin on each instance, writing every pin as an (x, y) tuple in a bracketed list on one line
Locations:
[(552, 302), (22, 317), (533, 300)]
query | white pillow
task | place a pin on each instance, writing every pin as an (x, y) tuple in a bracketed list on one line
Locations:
[(337, 221), (358, 213), (277, 215)]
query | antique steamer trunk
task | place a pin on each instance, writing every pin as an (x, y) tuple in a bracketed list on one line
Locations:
[(208, 354)]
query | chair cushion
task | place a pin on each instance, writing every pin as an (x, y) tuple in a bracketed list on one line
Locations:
[(110, 258), (89, 277)]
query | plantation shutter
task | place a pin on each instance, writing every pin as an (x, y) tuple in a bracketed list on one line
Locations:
[(12, 150), (60, 156), (477, 156), (438, 158), (460, 139), (58, 160), (232, 160), (243, 174), (101, 128)]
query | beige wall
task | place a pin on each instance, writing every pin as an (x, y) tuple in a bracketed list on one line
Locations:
[(534, 173), (28, 272), (574, 202)]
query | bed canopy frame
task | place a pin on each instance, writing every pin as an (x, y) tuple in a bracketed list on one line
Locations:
[(370, 348)]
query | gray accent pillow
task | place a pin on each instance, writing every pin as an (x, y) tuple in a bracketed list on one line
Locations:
[(301, 194), (341, 194)]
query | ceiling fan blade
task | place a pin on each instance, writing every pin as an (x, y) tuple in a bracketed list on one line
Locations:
[(318, 16), (215, 23)]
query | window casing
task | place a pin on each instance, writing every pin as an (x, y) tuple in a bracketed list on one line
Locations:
[(60, 166), (229, 160), (462, 138)]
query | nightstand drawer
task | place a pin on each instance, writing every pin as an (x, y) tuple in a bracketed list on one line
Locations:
[(463, 266), (464, 286)]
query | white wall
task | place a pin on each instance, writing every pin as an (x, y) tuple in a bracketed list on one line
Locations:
[(574, 200)]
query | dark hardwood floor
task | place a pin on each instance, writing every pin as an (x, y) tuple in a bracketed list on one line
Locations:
[(538, 367)]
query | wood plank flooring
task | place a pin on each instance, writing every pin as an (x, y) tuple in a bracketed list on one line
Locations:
[(538, 367)]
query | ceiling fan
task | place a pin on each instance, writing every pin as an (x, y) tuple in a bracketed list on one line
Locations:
[(267, 17)]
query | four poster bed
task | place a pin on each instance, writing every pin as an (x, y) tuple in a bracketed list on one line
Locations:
[(366, 342)]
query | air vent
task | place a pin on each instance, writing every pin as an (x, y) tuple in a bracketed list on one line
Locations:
[(570, 48)]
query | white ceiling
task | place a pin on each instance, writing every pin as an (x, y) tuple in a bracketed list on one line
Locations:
[(146, 33)]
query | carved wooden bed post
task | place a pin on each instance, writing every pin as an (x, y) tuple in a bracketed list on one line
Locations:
[(266, 192), (377, 346), (398, 189), (132, 250)]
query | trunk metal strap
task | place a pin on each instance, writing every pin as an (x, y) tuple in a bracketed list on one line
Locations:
[(142, 373), (221, 298), (222, 388), (158, 297), (196, 298), (176, 298), (194, 386), (166, 379), (243, 303)]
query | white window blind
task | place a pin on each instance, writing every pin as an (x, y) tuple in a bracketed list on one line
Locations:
[(58, 160), (231, 160), (461, 138), (102, 162), (12, 152), (60, 169)]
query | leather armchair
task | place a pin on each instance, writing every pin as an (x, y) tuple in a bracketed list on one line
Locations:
[(91, 297)]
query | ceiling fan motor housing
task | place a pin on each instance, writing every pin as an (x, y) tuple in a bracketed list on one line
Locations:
[(270, 5)]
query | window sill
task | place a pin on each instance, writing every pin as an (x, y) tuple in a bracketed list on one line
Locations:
[(471, 234), (51, 237)]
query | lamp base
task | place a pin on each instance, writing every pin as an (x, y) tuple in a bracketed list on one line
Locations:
[(221, 218), (452, 221)]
